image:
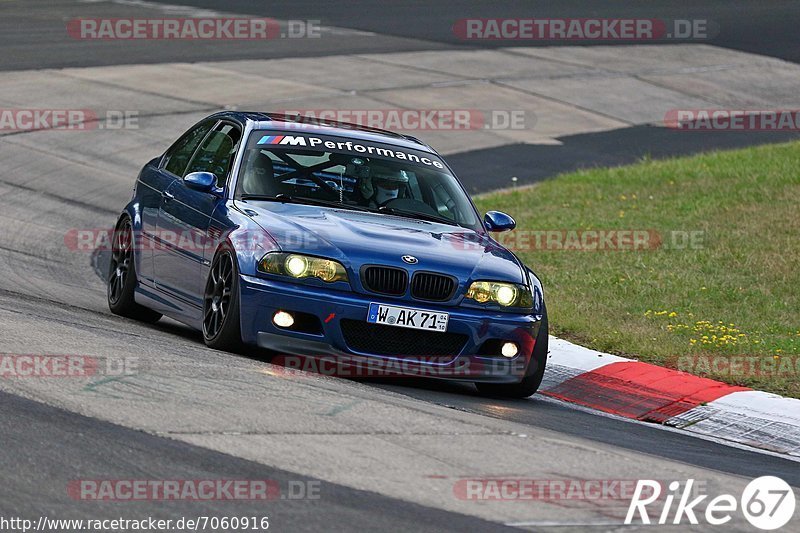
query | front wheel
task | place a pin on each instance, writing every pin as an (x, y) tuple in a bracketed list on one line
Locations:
[(221, 327), (122, 276), (530, 383)]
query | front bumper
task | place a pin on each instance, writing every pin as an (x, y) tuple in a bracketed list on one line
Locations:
[(260, 298)]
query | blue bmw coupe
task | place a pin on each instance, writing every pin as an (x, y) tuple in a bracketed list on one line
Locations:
[(322, 239)]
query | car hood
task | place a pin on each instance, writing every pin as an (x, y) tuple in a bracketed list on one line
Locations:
[(357, 238)]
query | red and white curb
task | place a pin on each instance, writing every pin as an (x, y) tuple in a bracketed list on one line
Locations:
[(650, 393)]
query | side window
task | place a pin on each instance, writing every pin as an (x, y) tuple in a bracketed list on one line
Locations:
[(180, 153), (216, 153)]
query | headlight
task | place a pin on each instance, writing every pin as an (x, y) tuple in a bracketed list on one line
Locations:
[(302, 266), (504, 294)]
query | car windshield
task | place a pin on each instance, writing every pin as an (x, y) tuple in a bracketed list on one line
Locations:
[(353, 174)]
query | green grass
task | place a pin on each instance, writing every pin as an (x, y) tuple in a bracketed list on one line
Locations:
[(737, 294)]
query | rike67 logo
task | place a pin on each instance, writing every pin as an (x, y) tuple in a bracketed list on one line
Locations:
[(767, 502)]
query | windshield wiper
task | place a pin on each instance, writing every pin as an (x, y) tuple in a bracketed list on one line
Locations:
[(417, 215), (285, 198)]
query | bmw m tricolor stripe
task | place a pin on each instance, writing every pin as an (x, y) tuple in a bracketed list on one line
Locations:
[(271, 139)]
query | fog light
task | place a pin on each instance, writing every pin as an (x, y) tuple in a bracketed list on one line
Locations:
[(282, 319), (509, 349)]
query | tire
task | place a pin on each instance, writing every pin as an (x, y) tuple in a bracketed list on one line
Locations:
[(530, 383), (121, 280), (221, 326)]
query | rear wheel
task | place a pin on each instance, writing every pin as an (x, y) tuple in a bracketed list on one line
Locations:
[(221, 328), (530, 383), (122, 276)]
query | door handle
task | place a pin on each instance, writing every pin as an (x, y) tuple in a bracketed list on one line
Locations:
[(167, 196)]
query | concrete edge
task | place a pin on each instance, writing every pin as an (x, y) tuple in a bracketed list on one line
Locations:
[(646, 392)]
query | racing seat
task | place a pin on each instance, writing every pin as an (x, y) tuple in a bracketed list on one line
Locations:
[(258, 177)]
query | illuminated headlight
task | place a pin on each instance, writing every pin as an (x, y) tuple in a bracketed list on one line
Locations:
[(302, 266), (504, 294), (296, 265)]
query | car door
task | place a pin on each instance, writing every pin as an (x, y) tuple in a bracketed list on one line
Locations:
[(154, 181), (185, 216)]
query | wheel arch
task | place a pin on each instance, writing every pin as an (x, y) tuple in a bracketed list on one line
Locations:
[(538, 292), (249, 243), (131, 211)]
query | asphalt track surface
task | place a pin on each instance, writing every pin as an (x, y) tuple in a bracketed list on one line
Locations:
[(203, 414), (32, 33), (33, 36), (118, 451)]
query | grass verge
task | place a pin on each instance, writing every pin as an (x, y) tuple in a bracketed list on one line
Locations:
[(711, 286)]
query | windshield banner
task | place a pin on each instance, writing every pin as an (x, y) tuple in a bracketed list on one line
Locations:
[(271, 139)]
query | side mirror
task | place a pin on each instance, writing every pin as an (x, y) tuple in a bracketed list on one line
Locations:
[(202, 181), (497, 221)]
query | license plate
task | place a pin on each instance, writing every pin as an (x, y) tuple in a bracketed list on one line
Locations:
[(406, 317)]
